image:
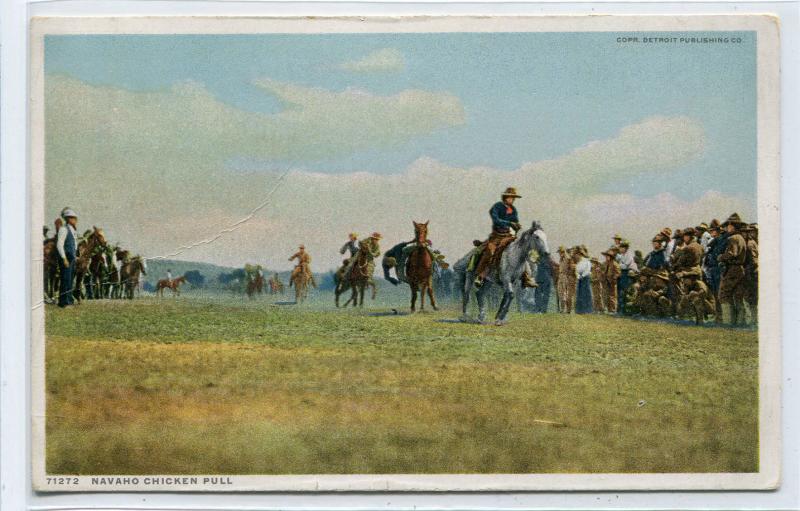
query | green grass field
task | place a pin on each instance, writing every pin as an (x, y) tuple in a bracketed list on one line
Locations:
[(221, 385)]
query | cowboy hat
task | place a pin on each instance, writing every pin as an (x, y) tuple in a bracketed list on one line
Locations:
[(714, 224), (67, 213), (582, 250), (702, 227), (734, 220), (689, 231), (511, 192), (678, 234), (610, 252), (666, 232), (625, 244), (661, 274), (302, 246), (659, 238), (617, 237), (376, 235)]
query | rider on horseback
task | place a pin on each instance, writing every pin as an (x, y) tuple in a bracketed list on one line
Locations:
[(505, 223), (303, 264)]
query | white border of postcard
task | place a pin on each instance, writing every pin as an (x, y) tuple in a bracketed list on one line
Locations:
[(768, 83)]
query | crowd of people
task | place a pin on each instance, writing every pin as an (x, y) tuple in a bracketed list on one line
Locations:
[(702, 272)]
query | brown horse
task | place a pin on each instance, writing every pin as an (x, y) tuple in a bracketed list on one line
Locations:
[(357, 280), (275, 285), (130, 273), (87, 249), (173, 285), (300, 281), (255, 285), (419, 268), (51, 266)]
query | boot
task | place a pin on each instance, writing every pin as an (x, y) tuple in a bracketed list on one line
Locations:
[(727, 313)]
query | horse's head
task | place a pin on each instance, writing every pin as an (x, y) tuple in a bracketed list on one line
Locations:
[(98, 236), (421, 231)]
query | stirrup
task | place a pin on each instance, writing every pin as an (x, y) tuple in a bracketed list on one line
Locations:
[(478, 282)]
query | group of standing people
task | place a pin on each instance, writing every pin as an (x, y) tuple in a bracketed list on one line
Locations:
[(710, 270), (78, 266)]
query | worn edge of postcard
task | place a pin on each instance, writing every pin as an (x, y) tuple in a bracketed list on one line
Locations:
[(768, 206)]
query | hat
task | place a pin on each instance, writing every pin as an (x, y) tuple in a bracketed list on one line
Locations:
[(625, 243), (702, 227), (714, 224), (582, 250), (633, 273), (678, 234), (646, 271), (511, 192), (302, 246), (610, 252), (617, 237), (594, 260), (666, 232), (734, 220), (659, 238), (376, 235), (354, 235), (689, 231), (661, 274), (67, 213), (753, 227)]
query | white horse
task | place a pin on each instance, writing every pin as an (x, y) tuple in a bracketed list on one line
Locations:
[(514, 261)]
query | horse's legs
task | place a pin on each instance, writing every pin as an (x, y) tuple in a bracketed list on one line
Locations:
[(505, 302), (413, 297), (432, 296), (481, 298)]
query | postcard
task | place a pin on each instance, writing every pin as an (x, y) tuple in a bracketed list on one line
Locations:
[(405, 254)]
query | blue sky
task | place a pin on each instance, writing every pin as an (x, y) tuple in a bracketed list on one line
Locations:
[(526, 96)]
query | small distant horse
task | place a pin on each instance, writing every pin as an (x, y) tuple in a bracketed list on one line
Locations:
[(173, 285), (275, 286), (300, 282), (255, 285), (419, 268)]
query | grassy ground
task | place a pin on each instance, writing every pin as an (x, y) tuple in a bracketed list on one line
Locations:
[(198, 385)]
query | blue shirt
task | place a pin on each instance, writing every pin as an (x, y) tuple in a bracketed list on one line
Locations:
[(501, 218)]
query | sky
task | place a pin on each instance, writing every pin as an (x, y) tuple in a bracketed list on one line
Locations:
[(165, 140)]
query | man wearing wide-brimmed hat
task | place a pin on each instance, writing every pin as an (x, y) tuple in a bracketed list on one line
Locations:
[(711, 266), (732, 286), (67, 247), (303, 264), (697, 300), (598, 297), (655, 301), (751, 273), (611, 272), (505, 223), (703, 236), (657, 257), (626, 263)]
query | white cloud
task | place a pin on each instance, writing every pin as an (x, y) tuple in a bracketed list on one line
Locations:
[(384, 60), (150, 168)]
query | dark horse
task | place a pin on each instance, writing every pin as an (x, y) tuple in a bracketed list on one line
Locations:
[(419, 268), (358, 278), (130, 273)]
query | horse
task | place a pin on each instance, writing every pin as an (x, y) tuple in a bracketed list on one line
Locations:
[(130, 273), (419, 268), (173, 285), (118, 258), (300, 282), (255, 285), (275, 286), (513, 262), (343, 284), (357, 279), (87, 248), (50, 263), (98, 269)]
